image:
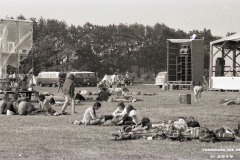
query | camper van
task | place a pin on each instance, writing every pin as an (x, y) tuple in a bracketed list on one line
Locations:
[(50, 78), (84, 78), (161, 79)]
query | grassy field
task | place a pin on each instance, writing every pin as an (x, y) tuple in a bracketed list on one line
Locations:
[(53, 137)]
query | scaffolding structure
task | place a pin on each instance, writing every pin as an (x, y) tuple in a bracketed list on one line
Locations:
[(225, 63), (16, 39)]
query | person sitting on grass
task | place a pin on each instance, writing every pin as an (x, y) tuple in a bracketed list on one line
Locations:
[(126, 95), (79, 98), (104, 95), (3, 105), (130, 113), (10, 109), (25, 107), (46, 103), (90, 117), (112, 120), (118, 112)]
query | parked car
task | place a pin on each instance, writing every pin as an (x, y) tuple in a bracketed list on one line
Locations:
[(50, 78), (85, 78), (161, 79)]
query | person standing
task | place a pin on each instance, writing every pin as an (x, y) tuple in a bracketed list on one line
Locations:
[(60, 85), (197, 92), (14, 77), (68, 90), (24, 84)]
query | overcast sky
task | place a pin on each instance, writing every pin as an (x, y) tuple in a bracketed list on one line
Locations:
[(221, 16)]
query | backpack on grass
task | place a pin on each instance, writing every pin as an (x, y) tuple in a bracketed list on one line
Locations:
[(207, 135), (123, 136), (225, 134), (191, 133)]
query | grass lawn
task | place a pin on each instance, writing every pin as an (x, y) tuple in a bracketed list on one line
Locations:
[(53, 137)]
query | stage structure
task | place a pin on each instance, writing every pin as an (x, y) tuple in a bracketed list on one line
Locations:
[(16, 39), (224, 68), (185, 62)]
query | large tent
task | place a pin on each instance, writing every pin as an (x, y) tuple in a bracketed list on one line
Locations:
[(224, 69), (15, 43)]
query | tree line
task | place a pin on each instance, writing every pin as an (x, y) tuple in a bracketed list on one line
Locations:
[(104, 49)]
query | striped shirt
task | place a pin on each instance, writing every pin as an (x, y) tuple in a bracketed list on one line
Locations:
[(89, 115)]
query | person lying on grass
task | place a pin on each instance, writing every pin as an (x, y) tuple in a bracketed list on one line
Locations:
[(143, 126), (126, 96), (90, 117), (230, 101), (130, 113), (46, 103)]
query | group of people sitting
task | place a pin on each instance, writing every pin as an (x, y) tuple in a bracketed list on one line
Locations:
[(22, 106), (127, 116)]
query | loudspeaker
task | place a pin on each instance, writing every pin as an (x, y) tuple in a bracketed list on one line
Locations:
[(220, 61), (218, 70)]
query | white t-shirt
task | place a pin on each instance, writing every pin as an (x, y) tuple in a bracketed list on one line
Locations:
[(138, 116)]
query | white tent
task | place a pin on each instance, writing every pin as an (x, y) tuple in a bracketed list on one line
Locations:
[(108, 77)]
